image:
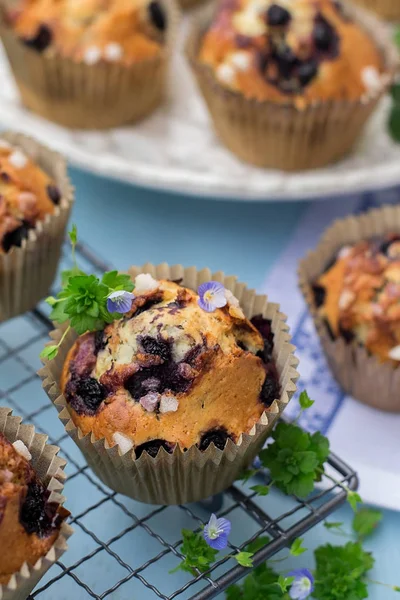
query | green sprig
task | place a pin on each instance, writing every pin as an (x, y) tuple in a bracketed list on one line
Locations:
[(197, 553)]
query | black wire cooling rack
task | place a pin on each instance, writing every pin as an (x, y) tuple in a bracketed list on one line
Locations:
[(124, 550)]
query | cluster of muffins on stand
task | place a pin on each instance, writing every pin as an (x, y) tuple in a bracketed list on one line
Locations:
[(288, 84)]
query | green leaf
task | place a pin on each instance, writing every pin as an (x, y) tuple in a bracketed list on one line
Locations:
[(297, 548), (58, 314), (295, 459), (305, 400), (397, 37), (233, 593), (244, 559), (285, 582), (51, 301), (49, 352), (261, 490), (67, 274), (340, 572), (394, 122), (353, 498), (333, 524), (197, 553), (73, 235), (366, 520), (117, 281), (396, 588)]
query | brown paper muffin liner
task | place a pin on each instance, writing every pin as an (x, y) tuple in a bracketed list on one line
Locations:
[(360, 374), (26, 273), (388, 9), (281, 136), (98, 96), (188, 476), (49, 468)]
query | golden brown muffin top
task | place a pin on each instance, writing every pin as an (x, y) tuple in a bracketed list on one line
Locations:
[(92, 31), (27, 195), (171, 373), (359, 296), (297, 51)]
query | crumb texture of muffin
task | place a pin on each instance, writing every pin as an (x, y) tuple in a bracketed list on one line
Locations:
[(358, 296), (29, 523), (27, 195), (291, 51), (92, 31), (171, 373)]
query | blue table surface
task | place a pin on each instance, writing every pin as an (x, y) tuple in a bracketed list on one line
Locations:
[(128, 225)]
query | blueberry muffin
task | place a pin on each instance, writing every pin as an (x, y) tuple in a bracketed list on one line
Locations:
[(27, 195), (29, 523), (170, 373), (358, 296), (36, 198), (273, 72), (173, 401), (109, 57)]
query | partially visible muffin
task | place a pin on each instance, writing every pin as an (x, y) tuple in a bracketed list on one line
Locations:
[(92, 64), (171, 373), (123, 31), (29, 523), (290, 83), (27, 195), (358, 296)]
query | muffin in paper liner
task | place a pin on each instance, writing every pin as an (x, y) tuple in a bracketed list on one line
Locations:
[(78, 95), (26, 273), (359, 373), (282, 136), (387, 9), (49, 467), (181, 477)]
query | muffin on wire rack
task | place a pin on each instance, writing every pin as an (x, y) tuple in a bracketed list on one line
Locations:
[(290, 85), (173, 399), (89, 64), (36, 198), (33, 531)]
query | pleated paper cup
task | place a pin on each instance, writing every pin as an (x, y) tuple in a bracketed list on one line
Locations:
[(77, 95), (282, 136), (189, 476), (360, 374), (50, 469), (387, 9), (26, 273)]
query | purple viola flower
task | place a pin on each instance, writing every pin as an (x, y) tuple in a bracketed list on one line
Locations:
[(303, 584), (212, 296), (119, 302), (216, 532)]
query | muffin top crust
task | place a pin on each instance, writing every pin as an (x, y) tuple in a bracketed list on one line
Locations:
[(359, 296), (29, 523), (27, 195), (169, 372), (290, 51), (92, 31)]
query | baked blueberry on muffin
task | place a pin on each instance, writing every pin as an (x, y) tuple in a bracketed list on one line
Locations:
[(29, 523), (358, 296), (92, 30), (283, 78), (90, 63), (175, 370), (27, 195)]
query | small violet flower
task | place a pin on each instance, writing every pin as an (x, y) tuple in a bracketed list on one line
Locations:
[(303, 584), (212, 296), (119, 302), (216, 532)]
